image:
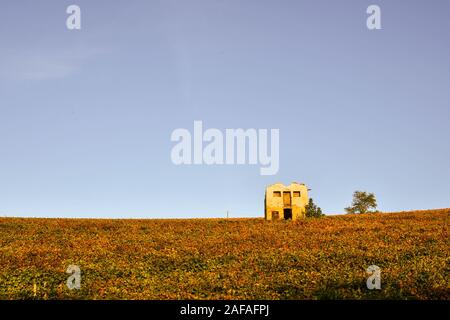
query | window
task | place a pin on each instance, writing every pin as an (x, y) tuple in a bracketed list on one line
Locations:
[(275, 215), (296, 193), (287, 198), (277, 193)]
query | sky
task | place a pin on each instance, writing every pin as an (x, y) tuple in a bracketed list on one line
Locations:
[(86, 116)]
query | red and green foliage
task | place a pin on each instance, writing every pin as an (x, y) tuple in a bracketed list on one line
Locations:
[(228, 258)]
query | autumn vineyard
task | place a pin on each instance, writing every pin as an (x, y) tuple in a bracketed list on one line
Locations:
[(322, 258)]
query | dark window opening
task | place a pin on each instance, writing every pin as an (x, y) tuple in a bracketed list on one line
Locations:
[(287, 214), (275, 215)]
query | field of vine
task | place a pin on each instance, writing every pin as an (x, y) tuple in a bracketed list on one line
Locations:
[(322, 258)]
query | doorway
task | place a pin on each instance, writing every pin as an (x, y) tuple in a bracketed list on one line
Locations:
[(287, 214)]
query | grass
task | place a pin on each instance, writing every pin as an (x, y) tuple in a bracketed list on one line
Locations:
[(322, 258)]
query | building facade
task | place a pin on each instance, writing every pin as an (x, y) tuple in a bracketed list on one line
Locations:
[(285, 202)]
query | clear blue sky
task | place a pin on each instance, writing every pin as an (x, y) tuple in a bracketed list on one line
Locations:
[(86, 116)]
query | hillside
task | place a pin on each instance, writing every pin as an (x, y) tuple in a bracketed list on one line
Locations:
[(228, 258)]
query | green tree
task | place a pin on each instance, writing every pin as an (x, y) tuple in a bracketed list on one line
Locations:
[(362, 202), (313, 211)]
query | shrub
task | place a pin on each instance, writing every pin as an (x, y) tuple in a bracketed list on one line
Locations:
[(312, 210)]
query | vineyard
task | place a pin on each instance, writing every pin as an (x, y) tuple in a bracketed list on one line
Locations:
[(322, 258)]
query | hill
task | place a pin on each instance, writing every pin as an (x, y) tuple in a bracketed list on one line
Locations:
[(228, 258)]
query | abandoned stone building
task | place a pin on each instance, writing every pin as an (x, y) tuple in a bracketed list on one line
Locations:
[(285, 202)]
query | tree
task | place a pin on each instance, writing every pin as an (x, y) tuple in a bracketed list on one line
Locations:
[(362, 202), (313, 211)]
